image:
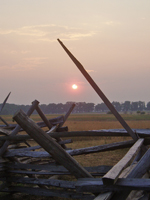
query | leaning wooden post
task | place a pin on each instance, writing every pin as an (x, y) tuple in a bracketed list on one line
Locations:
[(1, 108), (61, 124), (67, 114), (49, 125), (100, 93), (43, 117), (17, 128), (52, 147)]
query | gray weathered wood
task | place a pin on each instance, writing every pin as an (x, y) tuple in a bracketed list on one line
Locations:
[(140, 169), (95, 185), (43, 117), (49, 192), (104, 196), (45, 141), (74, 152), (42, 181), (144, 133), (67, 114), (17, 128), (3, 104), (97, 170), (113, 174)]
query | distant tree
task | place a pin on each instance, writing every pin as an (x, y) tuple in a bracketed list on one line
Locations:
[(126, 106), (134, 106), (51, 108), (141, 105), (117, 105), (101, 108), (89, 107), (80, 107), (148, 105)]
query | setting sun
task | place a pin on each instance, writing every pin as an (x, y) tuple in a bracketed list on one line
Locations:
[(74, 86)]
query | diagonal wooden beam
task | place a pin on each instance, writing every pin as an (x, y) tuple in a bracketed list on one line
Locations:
[(2, 106), (111, 177), (52, 147), (100, 93)]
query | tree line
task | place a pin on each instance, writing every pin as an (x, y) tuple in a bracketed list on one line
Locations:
[(81, 107)]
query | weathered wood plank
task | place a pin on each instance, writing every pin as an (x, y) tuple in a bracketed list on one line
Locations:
[(124, 174), (61, 124), (43, 117), (110, 132), (104, 196), (54, 167), (74, 152), (49, 192), (140, 169), (56, 172), (95, 185), (113, 174), (67, 114), (45, 141), (41, 181), (17, 128)]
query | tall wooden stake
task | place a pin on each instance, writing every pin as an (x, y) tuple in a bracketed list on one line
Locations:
[(100, 93)]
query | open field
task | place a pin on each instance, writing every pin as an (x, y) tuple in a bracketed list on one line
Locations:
[(80, 122)]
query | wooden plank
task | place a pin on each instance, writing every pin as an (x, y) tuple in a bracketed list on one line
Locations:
[(124, 174), (104, 196), (56, 169), (110, 132), (112, 176), (100, 93), (68, 134), (4, 131), (61, 124), (54, 149), (74, 152), (140, 169), (95, 185), (3, 104), (48, 124), (96, 170), (49, 192), (41, 181), (17, 128), (67, 114), (43, 117)]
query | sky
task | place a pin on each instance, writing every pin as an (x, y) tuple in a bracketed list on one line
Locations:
[(110, 38)]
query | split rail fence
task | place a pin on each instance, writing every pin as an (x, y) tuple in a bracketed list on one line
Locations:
[(39, 170)]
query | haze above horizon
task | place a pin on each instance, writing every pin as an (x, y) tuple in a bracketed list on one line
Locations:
[(111, 39)]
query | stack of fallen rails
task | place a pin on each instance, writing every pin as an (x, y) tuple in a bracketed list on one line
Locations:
[(36, 170)]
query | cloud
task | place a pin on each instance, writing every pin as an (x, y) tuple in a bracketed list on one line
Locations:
[(112, 23), (89, 71), (25, 64), (49, 32)]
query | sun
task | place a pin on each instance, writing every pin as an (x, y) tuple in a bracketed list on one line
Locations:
[(74, 86)]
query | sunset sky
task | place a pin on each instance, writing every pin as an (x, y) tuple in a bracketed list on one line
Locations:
[(110, 38)]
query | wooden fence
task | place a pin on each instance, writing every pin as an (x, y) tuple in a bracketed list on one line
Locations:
[(36, 169)]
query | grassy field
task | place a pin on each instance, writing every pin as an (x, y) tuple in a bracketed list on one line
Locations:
[(80, 122)]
